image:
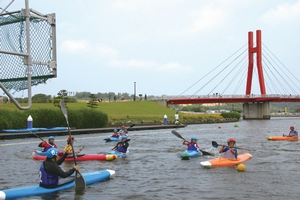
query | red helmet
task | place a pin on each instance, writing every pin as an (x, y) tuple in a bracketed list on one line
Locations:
[(68, 139), (231, 140), (123, 126), (292, 127)]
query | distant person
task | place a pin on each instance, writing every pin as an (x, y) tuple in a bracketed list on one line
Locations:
[(176, 118), (122, 146), (109, 98), (141, 97), (293, 133), (115, 98), (101, 99), (145, 97), (48, 145), (193, 146), (123, 131), (68, 149), (122, 97), (50, 170), (230, 151), (116, 134)]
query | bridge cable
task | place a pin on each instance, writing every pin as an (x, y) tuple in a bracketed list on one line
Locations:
[(220, 72), (265, 72), (280, 84), (228, 73), (280, 62), (271, 80), (235, 76), (243, 77), (291, 88), (213, 69), (283, 72)]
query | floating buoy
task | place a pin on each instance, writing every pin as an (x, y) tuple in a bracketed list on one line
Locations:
[(241, 168), (236, 125), (111, 157), (219, 126)]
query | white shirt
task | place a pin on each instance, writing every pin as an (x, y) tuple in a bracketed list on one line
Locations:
[(176, 117)]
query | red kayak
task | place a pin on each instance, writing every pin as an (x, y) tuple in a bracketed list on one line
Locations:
[(84, 157)]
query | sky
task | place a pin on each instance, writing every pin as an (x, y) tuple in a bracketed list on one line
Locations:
[(164, 46)]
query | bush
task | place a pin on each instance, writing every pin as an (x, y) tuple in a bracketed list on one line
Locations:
[(231, 115), (43, 118)]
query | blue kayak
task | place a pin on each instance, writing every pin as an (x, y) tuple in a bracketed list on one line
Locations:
[(113, 139), (118, 153), (21, 130), (54, 129), (190, 154), (90, 178), (40, 153)]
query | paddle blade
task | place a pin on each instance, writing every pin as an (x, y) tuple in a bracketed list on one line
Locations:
[(205, 153), (64, 110), (214, 144), (79, 181), (177, 134), (132, 125)]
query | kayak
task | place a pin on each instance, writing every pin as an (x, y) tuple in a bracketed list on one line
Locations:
[(190, 154), (84, 157), (54, 129), (118, 153), (90, 178), (21, 130), (220, 162), (113, 139), (281, 138)]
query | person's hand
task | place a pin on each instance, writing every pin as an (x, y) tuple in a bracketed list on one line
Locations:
[(67, 149), (80, 149), (44, 141), (76, 167), (223, 146), (185, 140)]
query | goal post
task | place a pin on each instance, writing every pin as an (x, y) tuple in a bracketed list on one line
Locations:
[(27, 50)]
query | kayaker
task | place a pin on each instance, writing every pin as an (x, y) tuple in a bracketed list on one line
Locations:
[(122, 146), (193, 146), (293, 133), (230, 151), (48, 145), (123, 131), (68, 149), (50, 170), (116, 134)]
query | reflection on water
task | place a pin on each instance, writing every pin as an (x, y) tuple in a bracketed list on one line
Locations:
[(154, 169)]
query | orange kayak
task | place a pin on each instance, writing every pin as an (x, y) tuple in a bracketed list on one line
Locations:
[(282, 138), (220, 162)]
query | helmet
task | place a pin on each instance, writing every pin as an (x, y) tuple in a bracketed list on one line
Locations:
[(193, 138), (292, 127), (52, 152), (124, 137), (123, 126), (115, 130), (68, 139), (231, 140), (51, 138)]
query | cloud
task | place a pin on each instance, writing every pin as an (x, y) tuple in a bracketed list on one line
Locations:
[(86, 47), (150, 65), (282, 13)]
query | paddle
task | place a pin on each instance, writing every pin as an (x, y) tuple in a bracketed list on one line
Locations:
[(179, 136), (79, 180), (215, 144), (117, 144)]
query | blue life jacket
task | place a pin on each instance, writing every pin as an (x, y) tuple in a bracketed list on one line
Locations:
[(193, 147), (122, 149), (49, 147), (47, 179), (115, 136)]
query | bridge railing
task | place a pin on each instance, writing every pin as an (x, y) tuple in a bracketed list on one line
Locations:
[(166, 97)]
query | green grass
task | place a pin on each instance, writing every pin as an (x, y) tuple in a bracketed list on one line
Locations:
[(123, 108)]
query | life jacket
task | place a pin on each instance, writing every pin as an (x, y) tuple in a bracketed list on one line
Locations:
[(296, 134), (122, 132), (47, 179), (229, 155), (193, 147), (115, 135), (122, 149), (49, 147)]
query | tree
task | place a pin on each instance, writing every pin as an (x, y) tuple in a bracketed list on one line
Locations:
[(41, 98), (93, 101), (61, 95)]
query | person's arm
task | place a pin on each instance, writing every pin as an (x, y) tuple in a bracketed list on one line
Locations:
[(62, 159), (125, 145), (118, 144), (199, 147), (184, 142), (233, 151), (221, 150), (53, 168), (40, 145)]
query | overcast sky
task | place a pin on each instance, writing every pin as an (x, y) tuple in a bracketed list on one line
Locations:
[(163, 45)]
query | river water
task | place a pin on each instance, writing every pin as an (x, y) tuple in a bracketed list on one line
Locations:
[(154, 169)]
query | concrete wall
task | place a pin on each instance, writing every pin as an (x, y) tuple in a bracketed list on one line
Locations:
[(161, 102), (257, 110)]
